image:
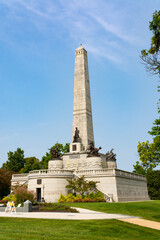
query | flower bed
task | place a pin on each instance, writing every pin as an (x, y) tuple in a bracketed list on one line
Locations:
[(53, 207)]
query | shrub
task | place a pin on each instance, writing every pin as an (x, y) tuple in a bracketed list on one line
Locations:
[(99, 196), (70, 197), (22, 194), (62, 199), (10, 198), (78, 198), (92, 197), (86, 199)]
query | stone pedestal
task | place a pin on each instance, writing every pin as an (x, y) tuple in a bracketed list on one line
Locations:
[(27, 206), (55, 164), (111, 164), (75, 147), (94, 163)]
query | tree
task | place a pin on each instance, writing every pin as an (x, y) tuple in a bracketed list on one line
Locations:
[(15, 161), (156, 128), (151, 57), (45, 160), (5, 182), (153, 182), (148, 157), (18, 164), (139, 168), (149, 153), (81, 186), (31, 163), (61, 148), (66, 148)]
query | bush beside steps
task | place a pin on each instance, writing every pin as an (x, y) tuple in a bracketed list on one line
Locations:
[(92, 197)]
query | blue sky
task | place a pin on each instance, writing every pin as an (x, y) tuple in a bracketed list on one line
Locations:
[(37, 43)]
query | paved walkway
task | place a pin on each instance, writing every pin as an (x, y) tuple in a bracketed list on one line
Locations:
[(143, 222), (85, 214)]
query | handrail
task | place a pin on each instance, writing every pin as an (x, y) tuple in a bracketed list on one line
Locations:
[(42, 172), (20, 175), (108, 171), (49, 171)]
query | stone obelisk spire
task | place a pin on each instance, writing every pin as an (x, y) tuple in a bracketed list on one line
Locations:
[(82, 111)]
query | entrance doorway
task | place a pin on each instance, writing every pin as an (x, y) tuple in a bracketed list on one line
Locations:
[(38, 191)]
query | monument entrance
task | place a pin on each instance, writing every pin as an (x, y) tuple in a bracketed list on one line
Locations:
[(38, 193)]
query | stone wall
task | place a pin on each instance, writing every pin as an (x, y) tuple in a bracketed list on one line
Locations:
[(52, 183), (80, 161), (124, 186), (19, 180)]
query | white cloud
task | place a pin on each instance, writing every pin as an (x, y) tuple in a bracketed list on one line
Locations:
[(94, 23), (113, 29), (100, 51)]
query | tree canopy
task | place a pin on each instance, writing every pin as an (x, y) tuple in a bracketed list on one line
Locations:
[(31, 163), (153, 182), (151, 57), (15, 161), (81, 186), (148, 156), (149, 153), (5, 182)]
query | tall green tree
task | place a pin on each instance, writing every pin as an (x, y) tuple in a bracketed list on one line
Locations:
[(149, 153), (19, 164), (153, 183), (15, 161), (151, 57), (31, 163), (148, 157)]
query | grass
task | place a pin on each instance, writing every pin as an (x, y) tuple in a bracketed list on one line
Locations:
[(40, 229), (148, 209)]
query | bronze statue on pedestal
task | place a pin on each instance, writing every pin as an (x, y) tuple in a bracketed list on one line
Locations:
[(110, 156), (76, 137), (93, 152), (55, 153)]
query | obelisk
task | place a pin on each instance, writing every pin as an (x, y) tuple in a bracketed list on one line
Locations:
[(82, 111)]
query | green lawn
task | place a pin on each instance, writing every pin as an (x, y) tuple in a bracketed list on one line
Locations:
[(148, 209), (39, 229)]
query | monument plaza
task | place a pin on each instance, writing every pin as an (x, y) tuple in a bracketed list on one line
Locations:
[(83, 159)]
